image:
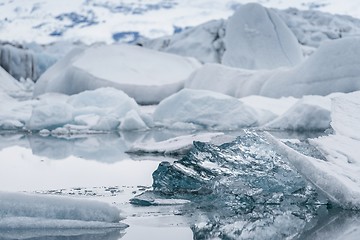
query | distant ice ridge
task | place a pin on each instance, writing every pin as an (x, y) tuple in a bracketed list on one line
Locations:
[(147, 76), (310, 27), (29, 211), (48, 21)]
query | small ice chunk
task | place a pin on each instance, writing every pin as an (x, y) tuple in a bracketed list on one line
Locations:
[(132, 121)]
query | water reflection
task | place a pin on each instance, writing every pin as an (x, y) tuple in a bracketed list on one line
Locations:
[(107, 148), (69, 234), (335, 224)]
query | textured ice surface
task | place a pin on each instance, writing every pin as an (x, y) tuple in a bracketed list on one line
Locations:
[(244, 189)]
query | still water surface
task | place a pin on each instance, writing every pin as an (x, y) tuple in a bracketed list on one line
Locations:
[(98, 167)]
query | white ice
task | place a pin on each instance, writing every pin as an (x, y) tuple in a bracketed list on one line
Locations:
[(257, 38), (25, 211), (203, 42), (308, 114), (175, 144), (204, 109), (147, 76), (332, 68), (337, 176), (103, 109)]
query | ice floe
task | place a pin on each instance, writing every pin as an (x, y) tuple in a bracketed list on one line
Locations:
[(29, 211)]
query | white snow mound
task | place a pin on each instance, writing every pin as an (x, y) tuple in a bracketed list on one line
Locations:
[(147, 76)]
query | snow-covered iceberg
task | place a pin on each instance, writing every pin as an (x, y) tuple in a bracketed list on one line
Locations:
[(30, 211), (257, 38), (332, 68), (147, 76)]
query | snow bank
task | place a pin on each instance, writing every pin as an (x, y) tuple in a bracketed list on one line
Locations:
[(338, 176), (147, 76), (103, 109), (204, 109), (20, 210), (256, 38), (333, 68)]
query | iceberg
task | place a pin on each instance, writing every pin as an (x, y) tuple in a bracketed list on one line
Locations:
[(30, 211), (147, 76), (203, 42), (332, 68), (257, 38), (204, 109), (310, 113), (100, 110)]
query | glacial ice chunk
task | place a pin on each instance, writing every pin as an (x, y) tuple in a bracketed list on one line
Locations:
[(238, 190)]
